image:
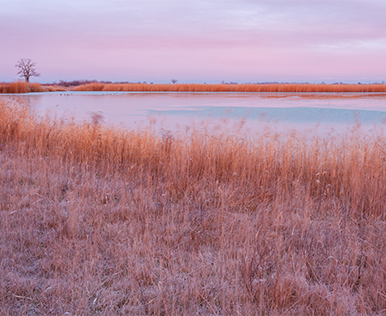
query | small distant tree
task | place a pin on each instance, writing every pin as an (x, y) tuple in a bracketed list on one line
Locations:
[(26, 69), (174, 81)]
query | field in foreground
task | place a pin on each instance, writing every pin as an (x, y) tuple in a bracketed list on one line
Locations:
[(99, 221)]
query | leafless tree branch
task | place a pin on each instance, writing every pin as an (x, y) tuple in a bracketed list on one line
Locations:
[(26, 68)]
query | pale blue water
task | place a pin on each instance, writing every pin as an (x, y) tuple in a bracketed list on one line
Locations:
[(218, 111)]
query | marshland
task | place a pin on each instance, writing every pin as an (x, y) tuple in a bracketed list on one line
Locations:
[(24, 87), (193, 158), (106, 219)]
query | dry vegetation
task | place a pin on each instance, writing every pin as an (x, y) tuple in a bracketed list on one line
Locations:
[(53, 88), (26, 87), (99, 221), (23, 87), (96, 86), (20, 87)]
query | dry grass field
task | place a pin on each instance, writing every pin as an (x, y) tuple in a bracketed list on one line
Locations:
[(233, 87), (23, 87), (96, 220), (20, 87), (26, 87)]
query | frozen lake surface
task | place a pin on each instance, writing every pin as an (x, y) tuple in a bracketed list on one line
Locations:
[(305, 112)]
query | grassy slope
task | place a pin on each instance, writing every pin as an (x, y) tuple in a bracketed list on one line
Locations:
[(95, 220)]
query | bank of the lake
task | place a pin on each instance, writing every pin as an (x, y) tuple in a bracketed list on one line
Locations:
[(25, 87)]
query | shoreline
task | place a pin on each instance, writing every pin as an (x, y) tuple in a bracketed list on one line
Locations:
[(23, 87)]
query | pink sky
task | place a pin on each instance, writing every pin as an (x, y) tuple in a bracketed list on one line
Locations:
[(196, 41)]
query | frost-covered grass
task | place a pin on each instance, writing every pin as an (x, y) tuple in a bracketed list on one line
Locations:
[(101, 220)]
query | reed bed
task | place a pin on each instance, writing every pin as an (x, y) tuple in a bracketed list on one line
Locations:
[(233, 87), (53, 88), (96, 220), (20, 87)]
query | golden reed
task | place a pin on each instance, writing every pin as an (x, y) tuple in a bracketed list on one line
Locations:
[(233, 87)]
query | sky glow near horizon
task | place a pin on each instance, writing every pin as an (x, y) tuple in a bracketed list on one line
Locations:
[(196, 41)]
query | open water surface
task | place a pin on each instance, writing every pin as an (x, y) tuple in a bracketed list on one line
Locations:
[(305, 112)]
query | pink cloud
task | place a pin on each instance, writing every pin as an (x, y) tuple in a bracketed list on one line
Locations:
[(196, 41)]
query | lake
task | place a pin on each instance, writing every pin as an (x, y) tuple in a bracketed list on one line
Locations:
[(305, 112)]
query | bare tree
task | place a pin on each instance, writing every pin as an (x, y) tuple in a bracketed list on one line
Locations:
[(26, 68), (174, 81)]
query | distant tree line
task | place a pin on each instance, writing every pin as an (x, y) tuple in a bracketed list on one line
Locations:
[(75, 83)]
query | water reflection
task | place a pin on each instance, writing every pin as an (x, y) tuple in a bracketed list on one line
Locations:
[(254, 111)]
